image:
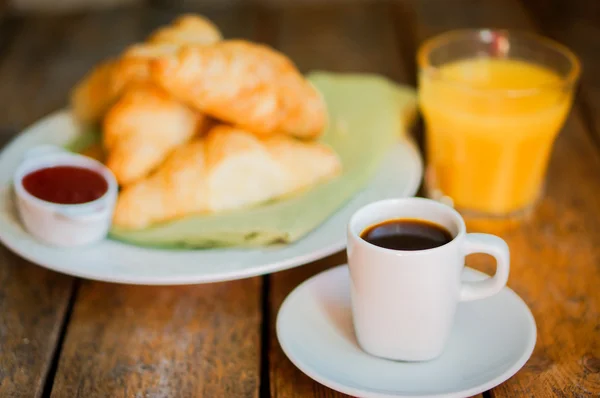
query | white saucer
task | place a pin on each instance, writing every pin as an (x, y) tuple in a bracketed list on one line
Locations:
[(491, 340)]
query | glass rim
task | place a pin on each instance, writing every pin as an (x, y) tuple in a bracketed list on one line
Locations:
[(567, 81)]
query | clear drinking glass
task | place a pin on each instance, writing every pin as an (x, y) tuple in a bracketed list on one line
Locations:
[(493, 102)]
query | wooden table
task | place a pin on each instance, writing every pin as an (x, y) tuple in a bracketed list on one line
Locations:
[(65, 337)]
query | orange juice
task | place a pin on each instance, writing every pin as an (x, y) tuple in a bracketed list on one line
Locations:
[(490, 126)]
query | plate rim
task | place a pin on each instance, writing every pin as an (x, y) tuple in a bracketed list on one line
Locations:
[(228, 275), (305, 368)]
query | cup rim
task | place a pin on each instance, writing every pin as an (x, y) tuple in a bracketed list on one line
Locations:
[(460, 222), (428, 45), (29, 166)]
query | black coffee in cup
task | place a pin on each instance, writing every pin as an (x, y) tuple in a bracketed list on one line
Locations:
[(407, 234)]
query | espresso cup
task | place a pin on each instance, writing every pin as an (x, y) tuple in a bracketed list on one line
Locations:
[(404, 302)]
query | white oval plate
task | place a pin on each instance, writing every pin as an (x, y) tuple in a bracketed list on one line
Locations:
[(490, 341), (113, 261)]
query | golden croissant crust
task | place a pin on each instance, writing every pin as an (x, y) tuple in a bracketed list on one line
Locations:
[(142, 128), (246, 84), (228, 169), (100, 89)]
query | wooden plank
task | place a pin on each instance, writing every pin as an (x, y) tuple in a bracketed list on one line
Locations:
[(556, 250), (202, 340), (65, 6), (187, 341), (33, 303), (353, 37), (337, 39), (33, 300), (3, 8), (576, 23)]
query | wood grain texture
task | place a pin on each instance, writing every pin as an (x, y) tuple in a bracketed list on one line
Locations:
[(3, 8), (63, 6), (556, 250), (49, 54), (343, 38), (33, 302), (576, 23), (188, 341), (350, 37)]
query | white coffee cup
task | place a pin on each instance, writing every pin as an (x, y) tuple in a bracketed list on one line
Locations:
[(404, 302)]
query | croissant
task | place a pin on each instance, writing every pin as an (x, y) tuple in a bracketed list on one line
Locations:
[(177, 188), (142, 128), (248, 85), (228, 169), (93, 96)]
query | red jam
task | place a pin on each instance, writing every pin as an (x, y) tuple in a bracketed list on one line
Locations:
[(68, 185)]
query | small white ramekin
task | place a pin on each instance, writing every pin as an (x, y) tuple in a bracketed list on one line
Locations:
[(59, 224)]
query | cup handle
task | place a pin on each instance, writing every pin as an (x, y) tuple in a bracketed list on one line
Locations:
[(497, 248)]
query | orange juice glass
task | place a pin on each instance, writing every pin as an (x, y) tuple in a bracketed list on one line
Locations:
[(493, 103)]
